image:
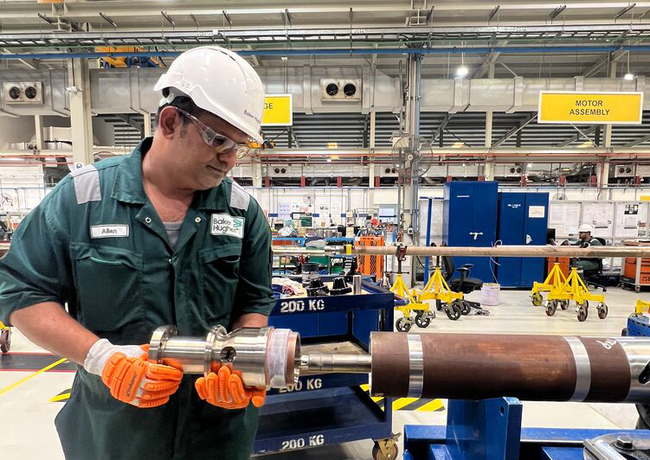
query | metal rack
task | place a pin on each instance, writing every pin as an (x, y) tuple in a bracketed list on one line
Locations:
[(328, 409)]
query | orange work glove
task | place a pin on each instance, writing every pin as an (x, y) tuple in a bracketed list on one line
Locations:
[(131, 377), (225, 389)]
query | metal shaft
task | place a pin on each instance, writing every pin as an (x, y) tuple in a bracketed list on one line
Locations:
[(334, 363), (509, 251), (541, 368)]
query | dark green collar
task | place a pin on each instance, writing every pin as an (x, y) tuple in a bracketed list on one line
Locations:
[(128, 186)]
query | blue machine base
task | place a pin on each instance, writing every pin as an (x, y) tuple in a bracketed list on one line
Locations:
[(491, 430)]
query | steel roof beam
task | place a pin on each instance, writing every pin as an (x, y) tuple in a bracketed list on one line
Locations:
[(491, 59), (581, 133), (638, 141), (342, 33), (514, 130)]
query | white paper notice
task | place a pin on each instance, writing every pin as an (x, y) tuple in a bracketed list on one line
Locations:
[(537, 212)]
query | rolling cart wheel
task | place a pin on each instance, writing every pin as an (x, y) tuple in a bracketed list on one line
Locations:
[(637, 288), (403, 325), (421, 320), (537, 299), (602, 311), (583, 312), (564, 304), (465, 308), (392, 452), (551, 307), (5, 341), (453, 312)]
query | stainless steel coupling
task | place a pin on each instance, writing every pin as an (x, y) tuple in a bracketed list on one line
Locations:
[(266, 357)]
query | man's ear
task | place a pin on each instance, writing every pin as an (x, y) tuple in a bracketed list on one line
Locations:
[(169, 123)]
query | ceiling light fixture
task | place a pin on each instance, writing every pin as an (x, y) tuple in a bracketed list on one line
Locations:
[(629, 76), (462, 71)]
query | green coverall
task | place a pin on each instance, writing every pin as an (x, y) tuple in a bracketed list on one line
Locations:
[(589, 264), (96, 243)]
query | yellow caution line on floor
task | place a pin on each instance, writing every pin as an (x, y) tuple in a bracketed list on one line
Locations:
[(400, 403), (410, 404), (433, 406), (31, 376)]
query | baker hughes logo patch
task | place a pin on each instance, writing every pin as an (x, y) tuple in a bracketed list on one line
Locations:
[(225, 224)]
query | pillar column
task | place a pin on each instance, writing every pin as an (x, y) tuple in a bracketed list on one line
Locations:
[(80, 112)]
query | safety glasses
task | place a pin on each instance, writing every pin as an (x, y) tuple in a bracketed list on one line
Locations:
[(219, 142)]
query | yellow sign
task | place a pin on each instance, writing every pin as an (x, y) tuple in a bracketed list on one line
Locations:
[(590, 107), (277, 110)]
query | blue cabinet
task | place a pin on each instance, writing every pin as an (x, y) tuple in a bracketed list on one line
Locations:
[(470, 219), (523, 219)]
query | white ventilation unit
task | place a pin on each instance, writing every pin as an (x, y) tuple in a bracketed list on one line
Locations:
[(340, 89), (624, 171), (22, 92), (388, 171)]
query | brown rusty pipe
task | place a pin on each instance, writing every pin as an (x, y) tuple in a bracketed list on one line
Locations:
[(509, 251), (528, 367)]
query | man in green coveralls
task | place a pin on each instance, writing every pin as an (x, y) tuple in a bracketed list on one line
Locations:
[(586, 240), (161, 236)]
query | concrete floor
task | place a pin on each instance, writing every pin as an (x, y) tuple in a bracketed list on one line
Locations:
[(25, 408)]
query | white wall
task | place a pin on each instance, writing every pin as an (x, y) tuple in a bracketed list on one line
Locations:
[(103, 132), (12, 130)]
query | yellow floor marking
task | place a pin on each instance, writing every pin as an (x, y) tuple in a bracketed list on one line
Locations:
[(432, 406), (401, 402), (31, 376)]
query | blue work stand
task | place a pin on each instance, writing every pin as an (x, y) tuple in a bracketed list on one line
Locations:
[(637, 326), (491, 430), (329, 408)]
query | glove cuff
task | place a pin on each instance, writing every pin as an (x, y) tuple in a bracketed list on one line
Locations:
[(98, 356), (101, 352)]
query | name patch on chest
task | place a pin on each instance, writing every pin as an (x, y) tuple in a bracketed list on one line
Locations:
[(225, 224), (109, 231)]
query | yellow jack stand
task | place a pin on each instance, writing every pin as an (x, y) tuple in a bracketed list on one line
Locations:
[(5, 338), (554, 281), (572, 289), (437, 289), (405, 323), (641, 306)]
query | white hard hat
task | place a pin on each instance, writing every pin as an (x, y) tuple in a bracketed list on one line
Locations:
[(585, 228), (221, 82)]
